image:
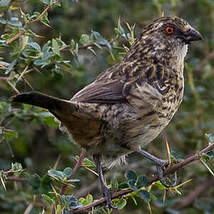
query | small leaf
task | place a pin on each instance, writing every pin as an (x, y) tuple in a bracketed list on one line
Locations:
[(73, 180), (131, 175), (89, 198), (132, 186), (56, 174), (210, 137), (88, 163), (44, 19), (177, 191), (3, 21), (48, 199), (10, 134), (210, 154), (58, 209), (35, 45), (67, 171), (70, 202), (16, 166), (121, 203), (84, 39), (142, 181), (55, 47), (160, 185), (85, 201), (11, 66), (14, 21), (144, 195)]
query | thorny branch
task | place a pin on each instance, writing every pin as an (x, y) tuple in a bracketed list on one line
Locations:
[(169, 170), (124, 192), (76, 167)]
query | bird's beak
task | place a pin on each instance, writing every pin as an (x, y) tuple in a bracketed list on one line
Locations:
[(192, 35)]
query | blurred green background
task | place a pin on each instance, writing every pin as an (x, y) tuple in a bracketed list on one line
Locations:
[(30, 136)]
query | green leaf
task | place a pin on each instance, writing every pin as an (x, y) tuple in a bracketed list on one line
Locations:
[(89, 164), (67, 171), (132, 185), (120, 203), (16, 166), (55, 47), (131, 175), (160, 185), (14, 21), (85, 201), (210, 137), (10, 134), (3, 21), (177, 191), (34, 45), (70, 202), (11, 66), (84, 39), (73, 180), (142, 181), (89, 198), (58, 175), (210, 154), (144, 195), (48, 199), (44, 19)]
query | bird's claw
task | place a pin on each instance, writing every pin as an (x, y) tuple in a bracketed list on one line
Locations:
[(160, 172), (107, 195)]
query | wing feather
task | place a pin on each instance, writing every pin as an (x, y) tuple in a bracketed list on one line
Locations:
[(109, 92)]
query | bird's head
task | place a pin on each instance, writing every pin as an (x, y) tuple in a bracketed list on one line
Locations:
[(168, 35)]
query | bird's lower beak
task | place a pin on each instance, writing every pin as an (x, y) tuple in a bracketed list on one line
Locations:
[(192, 35)]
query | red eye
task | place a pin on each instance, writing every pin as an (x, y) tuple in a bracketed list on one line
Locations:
[(169, 30)]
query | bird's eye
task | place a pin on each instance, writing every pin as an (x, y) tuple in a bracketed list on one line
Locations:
[(169, 30)]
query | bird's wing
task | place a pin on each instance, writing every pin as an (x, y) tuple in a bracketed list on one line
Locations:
[(119, 91), (106, 91)]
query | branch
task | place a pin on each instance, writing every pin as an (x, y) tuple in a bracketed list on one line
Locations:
[(169, 170), (16, 179), (15, 37), (41, 14), (76, 167)]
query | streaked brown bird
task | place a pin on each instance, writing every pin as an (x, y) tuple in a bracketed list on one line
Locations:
[(129, 104)]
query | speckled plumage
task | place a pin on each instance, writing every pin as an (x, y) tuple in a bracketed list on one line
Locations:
[(129, 104)]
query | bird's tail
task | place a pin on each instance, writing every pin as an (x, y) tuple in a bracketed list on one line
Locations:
[(42, 100)]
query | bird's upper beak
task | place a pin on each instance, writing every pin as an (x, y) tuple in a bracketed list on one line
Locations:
[(192, 35)]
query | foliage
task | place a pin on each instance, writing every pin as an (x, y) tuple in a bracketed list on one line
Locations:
[(57, 47)]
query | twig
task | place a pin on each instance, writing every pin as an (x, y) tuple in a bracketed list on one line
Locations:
[(171, 169), (79, 162), (76, 167), (41, 14), (16, 179), (15, 37)]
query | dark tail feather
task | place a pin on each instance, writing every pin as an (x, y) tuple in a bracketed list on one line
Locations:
[(38, 99)]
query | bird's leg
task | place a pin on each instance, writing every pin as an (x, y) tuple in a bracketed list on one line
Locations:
[(160, 164), (105, 190)]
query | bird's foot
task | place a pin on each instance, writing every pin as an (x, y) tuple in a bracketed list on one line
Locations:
[(160, 171), (107, 195), (160, 165)]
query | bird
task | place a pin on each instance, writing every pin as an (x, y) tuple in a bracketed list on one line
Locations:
[(127, 106)]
